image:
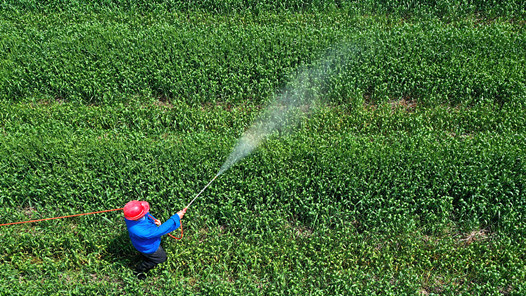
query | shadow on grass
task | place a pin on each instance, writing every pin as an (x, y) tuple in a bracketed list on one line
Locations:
[(121, 251)]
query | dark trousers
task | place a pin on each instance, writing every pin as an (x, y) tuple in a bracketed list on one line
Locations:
[(151, 260)]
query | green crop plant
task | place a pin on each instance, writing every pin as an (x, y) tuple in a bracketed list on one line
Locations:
[(407, 178)]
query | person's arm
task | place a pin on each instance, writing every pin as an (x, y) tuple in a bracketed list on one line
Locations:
[(150, 231), (158, 222)]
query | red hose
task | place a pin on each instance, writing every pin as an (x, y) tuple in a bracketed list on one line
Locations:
[(83, 214), (76, 215)]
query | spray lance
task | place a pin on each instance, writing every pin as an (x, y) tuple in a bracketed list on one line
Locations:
[(186, 208), (200, 192)]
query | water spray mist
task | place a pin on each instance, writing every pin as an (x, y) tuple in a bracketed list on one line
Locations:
[(300, 97)]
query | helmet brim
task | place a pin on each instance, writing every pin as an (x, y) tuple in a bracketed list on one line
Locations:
[(145, 206), (142, 205)]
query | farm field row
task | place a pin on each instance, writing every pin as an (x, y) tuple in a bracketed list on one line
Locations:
[(386, 194), (198, 59)]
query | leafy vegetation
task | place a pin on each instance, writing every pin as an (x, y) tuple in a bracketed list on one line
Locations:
[(408, 180), (108, 58)]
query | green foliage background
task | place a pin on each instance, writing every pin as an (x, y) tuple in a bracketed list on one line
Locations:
[(407, 180)]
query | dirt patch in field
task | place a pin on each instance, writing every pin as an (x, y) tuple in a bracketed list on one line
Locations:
[(475, 236), (404, 104), (29, 211)]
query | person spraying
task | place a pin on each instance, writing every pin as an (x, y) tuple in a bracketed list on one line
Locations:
[(145, 233)]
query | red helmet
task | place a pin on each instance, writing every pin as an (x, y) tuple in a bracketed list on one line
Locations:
[(135, 210)]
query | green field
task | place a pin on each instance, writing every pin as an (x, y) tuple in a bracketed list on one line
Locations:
[(405, 178)]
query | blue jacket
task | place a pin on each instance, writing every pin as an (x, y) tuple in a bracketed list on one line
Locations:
[(146, 236)]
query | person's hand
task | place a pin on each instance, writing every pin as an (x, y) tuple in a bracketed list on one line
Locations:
[(157, 222), (181, 213)]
